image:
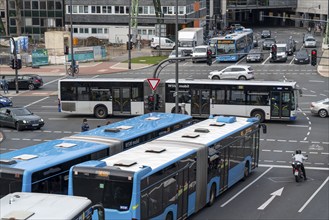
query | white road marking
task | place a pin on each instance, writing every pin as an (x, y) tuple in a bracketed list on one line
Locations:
[(273, 195), (313, 195), (317, 81), (241, 191), (298, 126), (40, 100)]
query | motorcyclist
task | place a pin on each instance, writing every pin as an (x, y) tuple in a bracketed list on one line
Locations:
[(300, 158)]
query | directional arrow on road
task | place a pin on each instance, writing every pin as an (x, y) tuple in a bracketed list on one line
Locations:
[(273, 194)]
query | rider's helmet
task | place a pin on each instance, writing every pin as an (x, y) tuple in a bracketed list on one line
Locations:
[(298, 151)]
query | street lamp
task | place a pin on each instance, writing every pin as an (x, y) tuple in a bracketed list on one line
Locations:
[(72, 56)]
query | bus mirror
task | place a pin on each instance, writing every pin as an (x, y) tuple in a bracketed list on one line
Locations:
[(264, 127)]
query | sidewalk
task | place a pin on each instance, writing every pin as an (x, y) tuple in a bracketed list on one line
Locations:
[(114, 65), (323, 66)]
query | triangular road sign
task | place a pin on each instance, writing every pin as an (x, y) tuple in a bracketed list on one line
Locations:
[(153, 82)]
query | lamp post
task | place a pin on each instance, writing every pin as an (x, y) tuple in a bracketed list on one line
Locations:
[(176, 67), (129, 37), (72, 56)]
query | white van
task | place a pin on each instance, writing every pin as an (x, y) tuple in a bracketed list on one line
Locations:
[(200, 53), (164, 43)]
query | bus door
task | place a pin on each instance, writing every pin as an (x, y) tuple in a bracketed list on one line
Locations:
[(121, 101), (200, 102), (182, 199), (224, 166), (280, 104)]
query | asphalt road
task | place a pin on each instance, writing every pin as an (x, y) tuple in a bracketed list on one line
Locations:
[(247, 199)]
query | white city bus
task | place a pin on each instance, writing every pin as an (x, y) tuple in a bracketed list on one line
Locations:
[(36, 206), (267, 100)]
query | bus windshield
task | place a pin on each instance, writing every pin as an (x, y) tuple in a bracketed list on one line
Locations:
[(114, 192), (13, 181), (226, 48)]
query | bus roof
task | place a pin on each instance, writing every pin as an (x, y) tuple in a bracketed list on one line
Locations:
[(136, 126), (34, 206), (235, 82), (103, 80), (47, 154), (236, 35), (165, 150)]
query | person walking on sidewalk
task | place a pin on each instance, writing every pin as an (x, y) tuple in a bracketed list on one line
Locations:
[(4, 84), (84, 126)]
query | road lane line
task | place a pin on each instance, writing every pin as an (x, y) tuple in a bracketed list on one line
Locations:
[(40, 100), (298, 126), (313, 195), (241, 191)]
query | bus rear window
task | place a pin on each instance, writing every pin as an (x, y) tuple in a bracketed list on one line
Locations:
[(9, 183)]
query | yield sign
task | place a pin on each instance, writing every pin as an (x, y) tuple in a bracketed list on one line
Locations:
[(153, 82)]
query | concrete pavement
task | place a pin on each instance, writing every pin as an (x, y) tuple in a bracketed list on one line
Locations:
[(323, 66)]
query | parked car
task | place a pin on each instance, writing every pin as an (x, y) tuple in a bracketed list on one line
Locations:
[(255, 55), (320, 108), (173, 55), (28, 81), (241, 72), (291, 46), (255, 41), (268, 43), (19, 118), (281, 54), (302, 57), (310, 42), (266, 34), (5, 101), (200, 53)]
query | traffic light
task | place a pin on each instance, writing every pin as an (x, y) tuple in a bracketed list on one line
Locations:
[(12, 64), (129, 45), (313, 57), (66, 50), (274, 51), (18, 64)]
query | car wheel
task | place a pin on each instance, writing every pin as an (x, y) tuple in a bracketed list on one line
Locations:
[(215, 78), (18, 126), (157, 47), (100, 112), (323, 113), (242, 78), (31, 86)]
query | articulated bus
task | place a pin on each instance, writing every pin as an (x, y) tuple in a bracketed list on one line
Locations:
[(232, 47), (174, 176), (267, 100), (44, 167), (37, 206)]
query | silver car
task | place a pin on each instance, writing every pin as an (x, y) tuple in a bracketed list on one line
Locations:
[(310, 42), (240, 72), (320, 108)]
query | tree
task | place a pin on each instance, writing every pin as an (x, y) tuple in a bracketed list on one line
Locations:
[(18, 18)]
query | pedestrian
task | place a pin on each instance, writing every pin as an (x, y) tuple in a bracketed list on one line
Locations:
[(84, 126), (4, 84)]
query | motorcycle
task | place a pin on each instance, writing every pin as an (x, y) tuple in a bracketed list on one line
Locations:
[(297, 170)]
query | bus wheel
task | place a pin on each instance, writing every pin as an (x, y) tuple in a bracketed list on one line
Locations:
[(212, 195), (246, 171), (169, 216), (100, 112), (258, 114), (215, 78)]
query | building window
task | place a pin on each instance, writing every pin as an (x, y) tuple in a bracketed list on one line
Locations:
[(109, 9), (35, 21), (75, 30), (152, 10), (181, 10), (58, 5), (35, 5), (43, 5), (85, 9), (27, 5), (28, 21), (51, 5), (75, 9), (106, 31), (94, 31), (99, 30)]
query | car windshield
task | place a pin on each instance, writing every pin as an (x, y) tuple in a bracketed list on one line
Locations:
[(200, 50), (281, 49), (266, 32), (310, 39), (269, 41), (21, 112)]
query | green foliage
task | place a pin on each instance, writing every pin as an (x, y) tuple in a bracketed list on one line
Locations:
[(148, 60)]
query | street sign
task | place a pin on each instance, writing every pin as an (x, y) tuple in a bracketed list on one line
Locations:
[(153, 82)]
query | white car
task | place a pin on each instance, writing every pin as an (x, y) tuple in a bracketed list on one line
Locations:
[(241, 72), (320, 108), (200, 53), (310, 42)]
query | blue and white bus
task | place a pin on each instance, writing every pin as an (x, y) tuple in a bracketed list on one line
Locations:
[(234, 46), (44, 167), (174, 176)]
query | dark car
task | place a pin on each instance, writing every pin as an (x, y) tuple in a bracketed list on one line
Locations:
[(19, 118), (255, 41), (302, 57), (268, 43), (266, 34), (5, 101), (28, 81), (255, 55), (291, 43)]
